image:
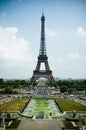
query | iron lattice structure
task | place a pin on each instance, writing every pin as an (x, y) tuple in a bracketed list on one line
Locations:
[(42, 58)]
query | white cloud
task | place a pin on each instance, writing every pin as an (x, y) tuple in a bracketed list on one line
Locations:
[(51, 33), (60, 60), (74, 56), (72, 66), (13, 50), (81, 32)]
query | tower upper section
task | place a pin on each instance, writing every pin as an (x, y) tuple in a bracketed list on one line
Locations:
[(42, 50), (42, 17)]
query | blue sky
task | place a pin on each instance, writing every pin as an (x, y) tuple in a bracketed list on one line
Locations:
[(20, 28)]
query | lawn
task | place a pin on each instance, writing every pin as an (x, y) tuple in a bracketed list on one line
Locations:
[(69, 105), (15, 105), (69, 125), (66, 105)]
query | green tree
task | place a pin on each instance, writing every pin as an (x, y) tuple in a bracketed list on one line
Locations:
[(63, 88), (1, 83), (8, 90), (70, 90)]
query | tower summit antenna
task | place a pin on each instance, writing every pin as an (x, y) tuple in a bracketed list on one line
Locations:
[(42, 11)]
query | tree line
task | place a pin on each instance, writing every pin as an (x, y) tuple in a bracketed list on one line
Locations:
[(70, 86), (8, 86)]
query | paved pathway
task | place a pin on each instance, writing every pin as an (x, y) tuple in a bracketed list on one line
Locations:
[(5, 100), (40, 125), (83, 102)]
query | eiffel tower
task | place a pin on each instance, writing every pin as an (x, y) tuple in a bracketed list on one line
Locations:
[(42, 58)]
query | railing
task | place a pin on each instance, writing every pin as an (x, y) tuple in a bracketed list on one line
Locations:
[(42, 72)]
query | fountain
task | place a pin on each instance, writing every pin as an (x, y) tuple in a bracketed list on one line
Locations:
[(42, 109)]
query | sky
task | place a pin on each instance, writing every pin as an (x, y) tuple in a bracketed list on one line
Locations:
[(65, 34)]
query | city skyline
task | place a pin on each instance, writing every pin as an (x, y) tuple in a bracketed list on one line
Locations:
[(65, 34)]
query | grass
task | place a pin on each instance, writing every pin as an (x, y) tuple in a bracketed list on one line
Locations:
[(68, 125), (15, 124), (65, 104), (15, 105), (69, 105)]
